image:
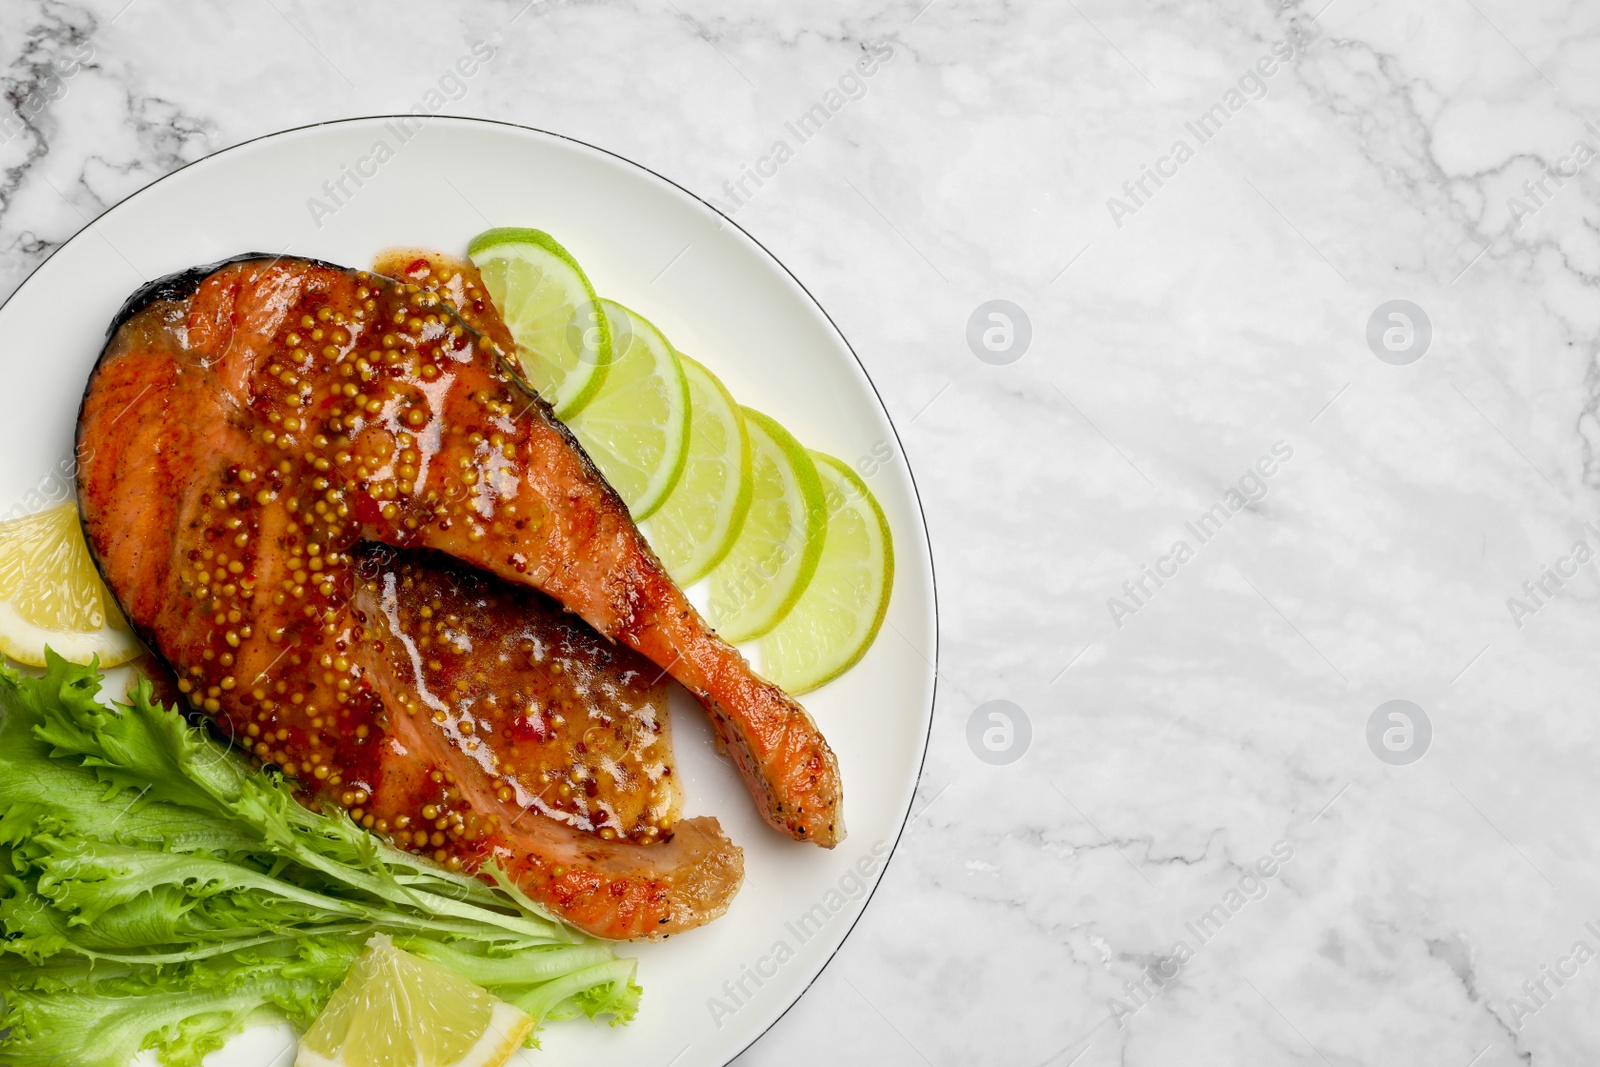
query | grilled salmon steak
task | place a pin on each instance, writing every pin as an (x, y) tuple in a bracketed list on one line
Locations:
[(324, 499)]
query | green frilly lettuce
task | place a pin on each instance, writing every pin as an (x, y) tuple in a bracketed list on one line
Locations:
[(158, 891)]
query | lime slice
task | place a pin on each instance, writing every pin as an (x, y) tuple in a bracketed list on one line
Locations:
[(776, 553), (636, 429), (700, 519), (51, 594), (835, 621), (563, 340), (398, 1010)]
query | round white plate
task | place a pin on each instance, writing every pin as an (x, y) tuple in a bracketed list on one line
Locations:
[(343, 191)]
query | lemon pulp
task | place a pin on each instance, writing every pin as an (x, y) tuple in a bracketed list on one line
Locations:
[(395, 1009), (51, 594)]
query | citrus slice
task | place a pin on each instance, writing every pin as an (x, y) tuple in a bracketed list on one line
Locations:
[(563, 340), (700, 519), (51, 594), (636, 429), (835, 621), (398, 1010), (767, 569)]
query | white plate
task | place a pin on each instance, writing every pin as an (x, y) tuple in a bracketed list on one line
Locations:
[(720, 297)]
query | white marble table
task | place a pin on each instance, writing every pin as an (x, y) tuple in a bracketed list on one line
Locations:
[(1098, 901)]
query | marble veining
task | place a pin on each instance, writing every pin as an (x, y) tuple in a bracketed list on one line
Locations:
[(1104, 899)]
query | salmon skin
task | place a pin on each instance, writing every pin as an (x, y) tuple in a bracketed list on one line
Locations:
[(251, 428)]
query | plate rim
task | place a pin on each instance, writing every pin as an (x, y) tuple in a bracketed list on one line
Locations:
[(916, 493)]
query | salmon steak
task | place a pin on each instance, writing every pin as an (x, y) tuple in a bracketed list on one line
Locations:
[(372, 556)]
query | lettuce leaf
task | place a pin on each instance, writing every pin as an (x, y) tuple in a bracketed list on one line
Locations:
[(160, 891)]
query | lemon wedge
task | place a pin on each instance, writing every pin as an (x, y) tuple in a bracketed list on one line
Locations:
[(398, 1010), (51, 594)]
